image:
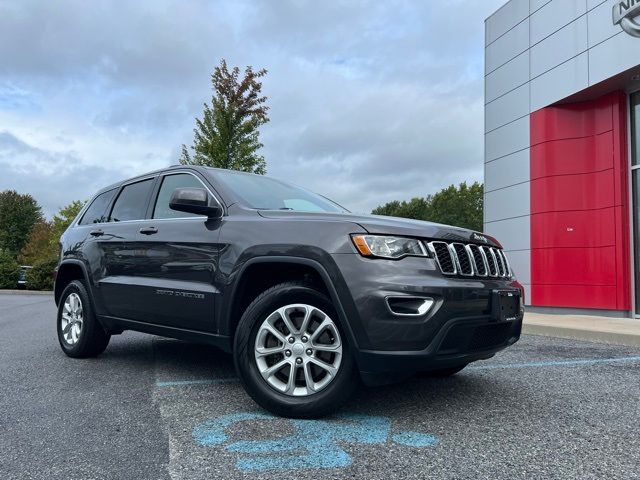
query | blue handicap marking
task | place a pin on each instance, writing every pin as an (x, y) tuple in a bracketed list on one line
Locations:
[(314, 443)]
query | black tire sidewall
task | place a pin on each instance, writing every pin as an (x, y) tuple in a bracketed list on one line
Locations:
[(318, 404)]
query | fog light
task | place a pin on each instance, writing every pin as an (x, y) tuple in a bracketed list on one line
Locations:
[(409, 306)]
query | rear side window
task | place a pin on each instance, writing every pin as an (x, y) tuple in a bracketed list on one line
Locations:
[(97, 211), (132, 202), (169, 184)]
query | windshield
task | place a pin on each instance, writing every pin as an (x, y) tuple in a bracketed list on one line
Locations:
[(267, 193)]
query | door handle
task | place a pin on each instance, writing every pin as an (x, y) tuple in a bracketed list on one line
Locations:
[(97, 232), (148, 230)]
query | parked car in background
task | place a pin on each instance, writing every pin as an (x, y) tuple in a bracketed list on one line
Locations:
[(22, 277), (309, 298)]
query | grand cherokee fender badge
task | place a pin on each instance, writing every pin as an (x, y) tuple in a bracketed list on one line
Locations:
[(479, 238), (180, 293), (625, 13)]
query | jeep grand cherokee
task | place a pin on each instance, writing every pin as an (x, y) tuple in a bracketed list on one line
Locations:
[(309, 298)]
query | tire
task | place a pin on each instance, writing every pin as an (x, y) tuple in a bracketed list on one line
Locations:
[(318, 399), (90, 338), (445, 372)]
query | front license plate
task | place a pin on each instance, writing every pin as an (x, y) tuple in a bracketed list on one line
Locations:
[(508, 303)]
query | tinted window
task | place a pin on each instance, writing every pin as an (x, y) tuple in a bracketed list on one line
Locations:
[(97, 211), (169, 184), (267, 193), (132, 202)]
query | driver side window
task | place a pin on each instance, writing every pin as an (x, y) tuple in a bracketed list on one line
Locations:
[(169, 184)]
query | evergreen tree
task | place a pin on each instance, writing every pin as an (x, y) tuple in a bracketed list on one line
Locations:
[(227, 136)]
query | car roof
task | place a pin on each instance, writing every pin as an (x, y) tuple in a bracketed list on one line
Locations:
[(154, 172)]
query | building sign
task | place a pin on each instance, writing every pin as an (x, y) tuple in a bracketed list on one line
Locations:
[(625, 13)]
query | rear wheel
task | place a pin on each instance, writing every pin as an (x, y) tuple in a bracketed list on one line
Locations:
[(79, 332), (291, 354)]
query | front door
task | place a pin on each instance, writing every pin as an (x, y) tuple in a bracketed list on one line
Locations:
[(180, 261)]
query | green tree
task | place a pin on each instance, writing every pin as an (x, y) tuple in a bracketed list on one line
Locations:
[(227, 136), (18, 214), (9, 270), (461, 206), (62, 220)]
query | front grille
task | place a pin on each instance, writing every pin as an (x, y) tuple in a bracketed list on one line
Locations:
[(470, 260)]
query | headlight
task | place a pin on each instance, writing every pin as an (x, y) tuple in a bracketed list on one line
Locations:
[(388, 247)]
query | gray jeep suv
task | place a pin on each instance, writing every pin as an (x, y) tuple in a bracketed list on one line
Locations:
[(309, 298)]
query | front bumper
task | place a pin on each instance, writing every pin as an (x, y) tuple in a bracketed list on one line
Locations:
[(461, 327)]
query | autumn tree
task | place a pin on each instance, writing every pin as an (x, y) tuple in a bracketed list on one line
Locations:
[(227, 135), (461, 206), (38, 245)]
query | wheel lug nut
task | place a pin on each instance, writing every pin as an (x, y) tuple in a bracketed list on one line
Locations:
[(298, 361), (309, 351), (291, 340), (304, 339), (287, 353)]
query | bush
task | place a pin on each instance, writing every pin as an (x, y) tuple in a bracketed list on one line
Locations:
[(9, 271), (40, 277)]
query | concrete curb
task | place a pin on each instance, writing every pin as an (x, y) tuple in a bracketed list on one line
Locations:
[(577, 333), (26, 292), (588, 335)]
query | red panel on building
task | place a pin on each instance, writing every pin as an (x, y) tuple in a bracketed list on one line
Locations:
[(579, 205)]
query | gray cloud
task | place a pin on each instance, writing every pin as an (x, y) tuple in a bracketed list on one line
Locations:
[(370, 101)]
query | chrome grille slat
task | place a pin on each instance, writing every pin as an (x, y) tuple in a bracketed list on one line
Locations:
[(479, 260), (470, 260), (443, 257), (491, 261), (463, 260)]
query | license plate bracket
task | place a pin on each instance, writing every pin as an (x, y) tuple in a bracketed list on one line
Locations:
[(506, 305)]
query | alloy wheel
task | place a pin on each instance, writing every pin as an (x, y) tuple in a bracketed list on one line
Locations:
[(72, 319), (298, 350)]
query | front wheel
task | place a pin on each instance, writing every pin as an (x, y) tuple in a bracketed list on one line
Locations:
[(291, 353)]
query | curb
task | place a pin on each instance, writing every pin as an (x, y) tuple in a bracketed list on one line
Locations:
[(629, 340), (26, 292)]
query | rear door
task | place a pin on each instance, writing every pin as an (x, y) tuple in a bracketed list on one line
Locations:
[(121, 258), (181, 259)]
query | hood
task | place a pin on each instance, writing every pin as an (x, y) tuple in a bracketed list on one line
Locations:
[(390, 226)]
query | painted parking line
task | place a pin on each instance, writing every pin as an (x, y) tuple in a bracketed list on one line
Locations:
[(497, 366), (557, 363), (203, 381)]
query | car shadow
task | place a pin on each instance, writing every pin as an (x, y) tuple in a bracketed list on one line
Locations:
[(178, 361)]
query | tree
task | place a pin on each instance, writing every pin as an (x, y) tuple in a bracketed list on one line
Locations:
[(461, 206), (41, 250), (9, 270), (227, 136), (38, 245), (18, 214), (62, 220)]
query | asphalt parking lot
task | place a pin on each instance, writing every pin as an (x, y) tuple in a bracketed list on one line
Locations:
[(157, 408)]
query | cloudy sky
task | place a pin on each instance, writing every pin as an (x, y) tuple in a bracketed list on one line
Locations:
[(370, 100)]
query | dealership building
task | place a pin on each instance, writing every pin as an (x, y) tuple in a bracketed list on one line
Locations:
[(562, 150)]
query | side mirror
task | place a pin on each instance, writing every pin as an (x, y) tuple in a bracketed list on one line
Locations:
[(194, 200)]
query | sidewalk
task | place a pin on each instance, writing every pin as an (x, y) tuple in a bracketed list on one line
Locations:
[(621, 331), (26, 292)]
